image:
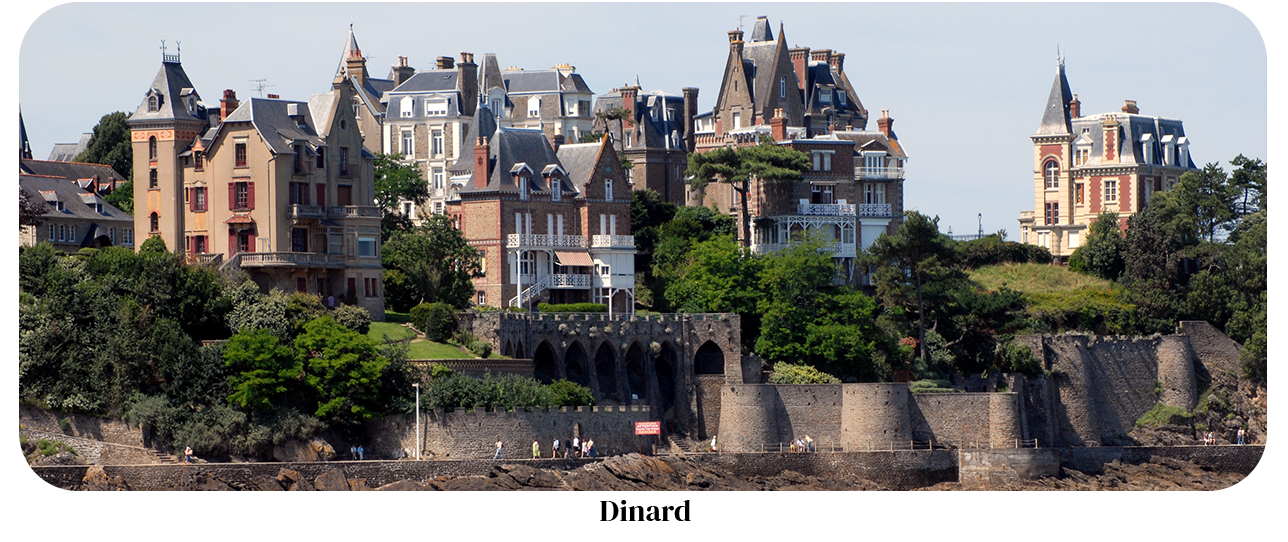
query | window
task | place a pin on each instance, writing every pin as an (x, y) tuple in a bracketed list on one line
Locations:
[(1111, 191), (408, 209), (438, 208), (1052, 215), (242, 196), (482, 263), (1083, 154), (782, 87), (239, 154), (344, 160), (737, 120), (1052, 174), (827, 161), (1073, 239), (825, 96), (154, 223), (128, 235), (199, 199), (198, 160), (321, 158), (406, 108), (367, 247), (822, 161), (436, 108), (154, 103), (71, 233), (406, 144), (199, 244), (840, 97), (335, 243), (437, 141), (244, 243), (1078, 194), (152, 178), (344, 195), (556, 189), (482, 298), (523, 187), (534, 106), (111, 235), (874, 193), (437, 176), (298, 161), (299, 193), (62, 232), (299, 240), (608, 189), (847, 235), (152, 148)]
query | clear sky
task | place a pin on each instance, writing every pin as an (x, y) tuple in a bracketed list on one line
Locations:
[(965, 83)]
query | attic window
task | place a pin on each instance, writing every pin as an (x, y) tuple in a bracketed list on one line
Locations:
[(825, 96), (534, 106), (840, 97), (523, 187), (154, 102), (436, 108), (407, 108)]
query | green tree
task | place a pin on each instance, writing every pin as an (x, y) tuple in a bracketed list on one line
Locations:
[(122, 197), (1207, 199), (675, 239), (343, 368), (434, 263), (716, 277), (264, 370), (395, 183), (766, 161), (1102, 255), (110, 145), (1248, 181), (29, 210)]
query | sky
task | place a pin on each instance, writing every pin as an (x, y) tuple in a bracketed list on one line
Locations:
[(965, 83)]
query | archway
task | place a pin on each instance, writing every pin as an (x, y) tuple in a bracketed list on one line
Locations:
[(519, 352), (709, 360), (575, 364), (543, 363), (665, 372), (606, 372), (505, 349), (635, 379)]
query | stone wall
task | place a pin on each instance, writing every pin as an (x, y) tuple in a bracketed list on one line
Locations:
[(874, 416), (1240, 459), (809, 409), (987, 466), (472, 434), (898, 470), (959, 420), (708, 398), (96, 451), (81, 426)]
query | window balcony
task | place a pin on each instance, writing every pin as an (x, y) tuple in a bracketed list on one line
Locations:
[(569, 282), (827, 209), (517, 240), (874, 209), (612, 241), (291, 259), (306, 211), (863, 172), (354, 211)]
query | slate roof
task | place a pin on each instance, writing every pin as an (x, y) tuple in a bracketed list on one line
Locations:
[(483, 123), (510, 147), (870, 141), (579, 161), (646, 131), (429, 81), (1131, 128), (172, 84), (65, 152), (274, 125), (76, 203), (762, 32), (72, 171), (1055, 117), (491, 74)]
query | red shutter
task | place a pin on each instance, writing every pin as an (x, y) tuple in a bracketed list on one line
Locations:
[(250, 241), (232, 196), (232, 241), (250, 196), (321, 188), (191, 200)]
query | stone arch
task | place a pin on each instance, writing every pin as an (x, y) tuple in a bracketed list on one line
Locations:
[(519, 351), (664, 369), (543, 363), (506, 349), (709, 360), (636, 378), (606, 372), (575, 364)]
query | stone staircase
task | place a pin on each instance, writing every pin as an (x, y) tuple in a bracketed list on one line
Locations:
[(163, 458), (680, 446)]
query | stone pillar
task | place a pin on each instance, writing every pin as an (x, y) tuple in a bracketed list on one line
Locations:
[(1004, 419), (1176, 372)]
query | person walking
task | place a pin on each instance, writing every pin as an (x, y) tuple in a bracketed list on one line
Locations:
[(1240, 435), (361, 454), (187, 455), (809, 444), (499, 452), (536, 449), (567, 448), (353, 452), (554, 448), (576, 446)]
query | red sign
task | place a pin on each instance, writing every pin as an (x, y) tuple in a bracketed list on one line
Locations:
[(648, 428)]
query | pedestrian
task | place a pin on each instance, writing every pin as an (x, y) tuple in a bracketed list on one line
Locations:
[(554, 448), (361, 456), (809, 444), (1240, 434), (536, 449), (567, 448), (353, 452), (585, 447), (187, 455), (576, 446), (713, 444), (590, 448), (499, 453)]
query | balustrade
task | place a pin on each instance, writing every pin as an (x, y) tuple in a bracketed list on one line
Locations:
[(515, 240), (627, 241)]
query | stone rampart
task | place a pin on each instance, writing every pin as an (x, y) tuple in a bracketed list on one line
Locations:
[(809, 409), (1176, 372), (898, 470), (958, 420), (875, 415), (746, 420), (983, 467), (1240, 459)]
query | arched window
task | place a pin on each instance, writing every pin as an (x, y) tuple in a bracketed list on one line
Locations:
[(153, 103), (1052, 174), (154, 223), (152, 148)]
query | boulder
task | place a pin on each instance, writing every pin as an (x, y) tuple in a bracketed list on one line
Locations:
[(292, 481), (321, 449), (266, 483), (97, 480), (332, 480), (294, 451)]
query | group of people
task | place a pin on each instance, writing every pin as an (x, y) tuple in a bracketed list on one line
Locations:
[(574, 447), (1210, 438), (801, 445), (357, 452)]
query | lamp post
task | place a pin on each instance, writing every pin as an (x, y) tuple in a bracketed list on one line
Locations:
[(417, 386)]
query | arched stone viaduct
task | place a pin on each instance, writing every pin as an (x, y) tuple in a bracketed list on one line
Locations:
[(674, 362)]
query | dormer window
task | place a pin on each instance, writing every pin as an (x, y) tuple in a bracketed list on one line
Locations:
[(825, 96), (534, 106), (407, 109), (1183, 143), (1147, 148), (840, 97), (556, 188), (436, 108), (154, 101)]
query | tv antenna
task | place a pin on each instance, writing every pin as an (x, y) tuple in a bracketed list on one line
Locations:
[(260, 85), (740, 18)]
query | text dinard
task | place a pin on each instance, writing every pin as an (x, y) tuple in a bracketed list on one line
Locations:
[(611, 511)]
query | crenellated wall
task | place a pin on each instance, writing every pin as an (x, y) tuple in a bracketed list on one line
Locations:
[(874, 415)]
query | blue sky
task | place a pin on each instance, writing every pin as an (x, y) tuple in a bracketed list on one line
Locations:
[(965, 83)]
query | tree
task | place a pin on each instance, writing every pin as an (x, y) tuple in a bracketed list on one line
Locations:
[(110, 145), (343, 370), (715, 276), (738, 166), (1248, 180), (264, 370), (917, 252), (433, 263), (1102, 255), (122, 197), (1208, 201), (395, 183), (29, 210)]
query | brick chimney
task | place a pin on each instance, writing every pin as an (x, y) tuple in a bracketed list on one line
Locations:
[(1129, 106), (445, 63), (690, 111), (838, 61), (402, 72), (228, 104), (467, 76), (799, 56), (886, 124), (822, 55), (778, 126), (1075, 107), (481, 151), (629, 94)]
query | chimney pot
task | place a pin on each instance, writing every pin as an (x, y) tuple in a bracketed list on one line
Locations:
[(446, 63), (1129, 106)]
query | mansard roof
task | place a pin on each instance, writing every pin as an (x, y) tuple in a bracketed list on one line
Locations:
[(509, 147), (430, 81), (76, 201), (1131, 129), (1055, 117), (870, 141), (178, 100)]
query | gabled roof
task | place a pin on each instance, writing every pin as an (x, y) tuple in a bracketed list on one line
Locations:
[(76, 201), (1055, 117), (579, 161), (511, 146), (71, 171), (277, 129)]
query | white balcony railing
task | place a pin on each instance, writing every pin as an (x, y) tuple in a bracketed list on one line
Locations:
[(306, 211), (827, 209), (352, 211), (569, 281), (874, 209), (839, 250), (861, 172), (624, 241), (291, 259), (515, 240)]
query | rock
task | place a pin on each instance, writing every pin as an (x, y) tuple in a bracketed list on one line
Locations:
[(403, 485), (294, 451), (332, 480), (61, 458), (97, 480), (266, 483), (321, 449), (209, 483), (292, 481)]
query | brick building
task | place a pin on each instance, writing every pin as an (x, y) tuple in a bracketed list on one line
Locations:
[(281, 189), (552, 222), (1085, 165), (656, 136)]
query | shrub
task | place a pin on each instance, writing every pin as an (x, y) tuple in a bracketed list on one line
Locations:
[(570, 394), (352, 317), (436, 320), (65, 424), (516, 309), (932, 386), (573, 307), (51, 447), (476, 346), (1161, 414), (787, 373)]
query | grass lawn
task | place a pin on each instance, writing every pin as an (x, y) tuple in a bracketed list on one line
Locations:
[(1054, 291), (397, 317), (389, 331), (431, 350)]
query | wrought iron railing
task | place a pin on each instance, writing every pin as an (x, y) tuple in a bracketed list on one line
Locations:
[(349, 211), (827, 209), (874, 209), (514, 240), (275, 259), (863, 172)]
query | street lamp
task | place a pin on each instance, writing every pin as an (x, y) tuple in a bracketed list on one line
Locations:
[(417, 386)]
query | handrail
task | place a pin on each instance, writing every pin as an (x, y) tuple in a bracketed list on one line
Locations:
[(530, 292), (544, 240)]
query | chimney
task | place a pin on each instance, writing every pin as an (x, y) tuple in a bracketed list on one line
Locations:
[(556, 142), (629, 94), (565, 69), (886, 124), (838, 62), (445, 63), (481, 152), (228, 104), (778, 126), (735, 41), (799, 56), (467, 76), (1075, 107), (822, 55), (402, 72), (690, 111), (1129, 106)]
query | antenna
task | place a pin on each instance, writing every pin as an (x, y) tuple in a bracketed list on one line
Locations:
[(260, 85), (740, 18)]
